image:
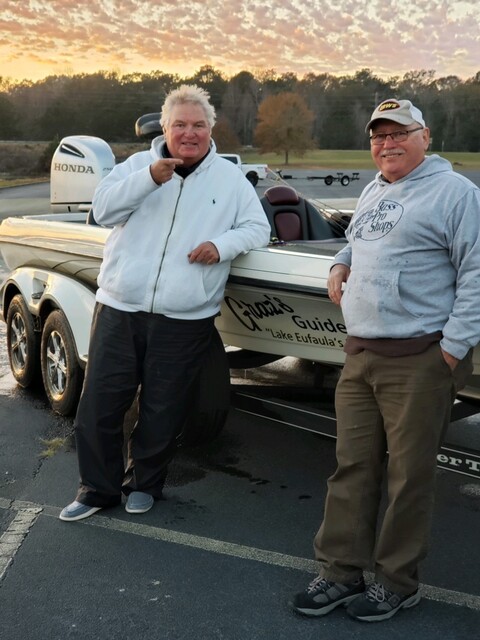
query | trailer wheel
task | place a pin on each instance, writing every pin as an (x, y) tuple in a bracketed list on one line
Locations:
[(252, 176), (211, 397), (23, 344), (328, 180), (61, 372), (345, 180)]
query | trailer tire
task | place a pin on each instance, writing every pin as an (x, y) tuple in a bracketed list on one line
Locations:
[(23, 343), (328, 180), (210, 398), (252, 176), (61, 372), (345, 180)]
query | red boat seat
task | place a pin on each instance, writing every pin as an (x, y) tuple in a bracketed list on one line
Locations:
[(292, 217)]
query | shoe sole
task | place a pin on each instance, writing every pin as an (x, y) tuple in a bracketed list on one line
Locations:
[(406, 604), (86, 514), (138, 509), (327, 608)]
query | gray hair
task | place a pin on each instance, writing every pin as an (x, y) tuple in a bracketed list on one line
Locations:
[(188, 94)]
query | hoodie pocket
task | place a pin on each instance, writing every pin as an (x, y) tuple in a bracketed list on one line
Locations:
[(126, 280), (183, 293), (379, 297)]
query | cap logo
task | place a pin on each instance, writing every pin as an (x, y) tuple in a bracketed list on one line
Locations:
[(387, 106)]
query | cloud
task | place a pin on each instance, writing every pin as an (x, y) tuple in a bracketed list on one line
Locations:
[(43, 37)]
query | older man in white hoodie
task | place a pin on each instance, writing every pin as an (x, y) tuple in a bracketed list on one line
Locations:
[(180, 214), (408, 282)]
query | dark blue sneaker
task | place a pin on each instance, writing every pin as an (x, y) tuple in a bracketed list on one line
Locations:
[(77, 511), (321, 596), (139, 502), (379, 603)]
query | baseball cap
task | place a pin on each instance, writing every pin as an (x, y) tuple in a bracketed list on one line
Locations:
[(401, 111)]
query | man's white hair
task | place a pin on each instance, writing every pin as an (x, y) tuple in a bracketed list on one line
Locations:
[(188, 94)]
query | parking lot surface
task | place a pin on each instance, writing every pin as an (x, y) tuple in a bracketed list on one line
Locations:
[(220, 557)]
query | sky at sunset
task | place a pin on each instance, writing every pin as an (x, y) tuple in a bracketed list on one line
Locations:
[(55, 37)]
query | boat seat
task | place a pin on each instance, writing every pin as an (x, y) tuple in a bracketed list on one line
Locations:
[(292, 217)]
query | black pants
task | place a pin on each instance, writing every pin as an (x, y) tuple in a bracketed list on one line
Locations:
[(127, 350)]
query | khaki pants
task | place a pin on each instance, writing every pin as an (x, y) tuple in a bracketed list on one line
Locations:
[(401, 405)]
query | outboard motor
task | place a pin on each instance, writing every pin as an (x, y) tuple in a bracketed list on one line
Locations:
[(78, 165)]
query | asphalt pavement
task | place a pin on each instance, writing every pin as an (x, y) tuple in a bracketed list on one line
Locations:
[(220, 557)]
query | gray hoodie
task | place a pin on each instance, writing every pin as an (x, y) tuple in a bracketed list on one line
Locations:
[(414, 252)]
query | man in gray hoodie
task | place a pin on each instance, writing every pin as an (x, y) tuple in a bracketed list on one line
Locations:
[(408, 282)]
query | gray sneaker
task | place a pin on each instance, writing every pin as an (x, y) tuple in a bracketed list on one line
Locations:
[(77, 511), (321, 596), (139, 502), (378, 603)]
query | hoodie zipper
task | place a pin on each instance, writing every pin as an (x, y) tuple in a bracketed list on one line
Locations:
[(166, 245)]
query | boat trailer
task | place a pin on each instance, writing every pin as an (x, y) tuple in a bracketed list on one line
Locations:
[(340, 177), (328, 179)]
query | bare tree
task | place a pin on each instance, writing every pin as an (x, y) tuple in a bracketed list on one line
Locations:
[(225, 137), (240, 105)]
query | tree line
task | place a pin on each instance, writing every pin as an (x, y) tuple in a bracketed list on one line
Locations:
[(275, 112)]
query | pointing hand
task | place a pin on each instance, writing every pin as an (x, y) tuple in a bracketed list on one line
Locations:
[(162, 170)]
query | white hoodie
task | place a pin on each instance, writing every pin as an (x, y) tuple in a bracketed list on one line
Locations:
[(145, 265)]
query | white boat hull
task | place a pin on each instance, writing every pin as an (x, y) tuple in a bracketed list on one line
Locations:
[(275, 301)]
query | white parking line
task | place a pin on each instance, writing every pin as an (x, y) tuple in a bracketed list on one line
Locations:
[(11, 540), (29, 512), (205, 544)]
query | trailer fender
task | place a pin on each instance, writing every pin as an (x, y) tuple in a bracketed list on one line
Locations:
[(45, 290)]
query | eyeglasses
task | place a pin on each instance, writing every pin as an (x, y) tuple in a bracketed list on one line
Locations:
[(396, 136)]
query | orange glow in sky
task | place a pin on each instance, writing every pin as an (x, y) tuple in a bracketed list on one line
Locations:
[(55, 37)]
